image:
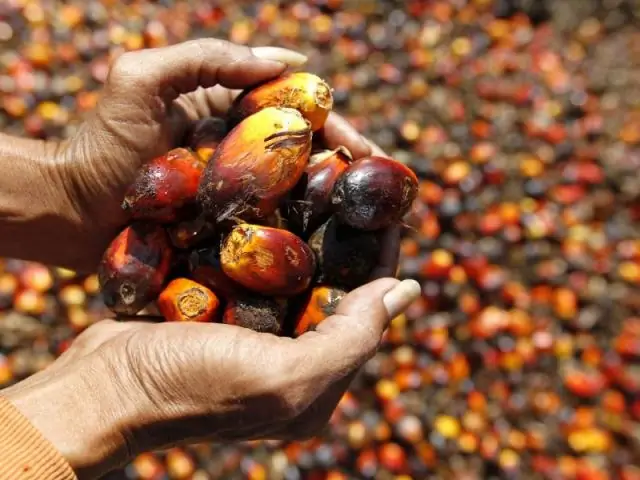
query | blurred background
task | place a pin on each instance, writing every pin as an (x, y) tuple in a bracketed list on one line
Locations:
[(522, 119)]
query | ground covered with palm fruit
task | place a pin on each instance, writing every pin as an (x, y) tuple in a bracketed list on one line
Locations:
[(522, 119)]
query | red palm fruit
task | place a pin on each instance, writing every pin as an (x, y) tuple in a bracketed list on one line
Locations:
[(165, 189), (310, 205), (374, 193), (346, 257), (267, 260), (184, 300), (206, 135), (205, 268), (321, 303), (305, 92), (256, 165), (134, 268), (258, 313)]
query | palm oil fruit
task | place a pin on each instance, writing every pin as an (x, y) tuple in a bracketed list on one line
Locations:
[(267, 260), (345, 256), (310, 205), (165, 188), (184, 300), (255, 165), (206, 135), (258, 313), (305, 92), (374, 193), (134, 268), (321, 303)]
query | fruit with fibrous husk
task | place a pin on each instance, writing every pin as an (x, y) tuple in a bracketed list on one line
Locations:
[(184, 300), (305, 92), (321, 303), (255, 165), (165, 188), (206, 135), (345, 256), (374, 193), (310, 202), (134, 268), (267, 260), (258, 313)]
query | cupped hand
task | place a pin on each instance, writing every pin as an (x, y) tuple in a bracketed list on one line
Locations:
[(150, 99), (127, 387)]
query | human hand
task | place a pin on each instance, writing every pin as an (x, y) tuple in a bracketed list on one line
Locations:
[(151, 97), (127, 387)]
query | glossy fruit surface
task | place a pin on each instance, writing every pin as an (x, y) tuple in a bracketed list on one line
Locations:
[(256, 164), (374, 193), (267, 260), (165, 189), (134, 268), (305, 92)]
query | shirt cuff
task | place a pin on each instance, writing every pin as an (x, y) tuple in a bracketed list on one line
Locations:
[(25, 454)]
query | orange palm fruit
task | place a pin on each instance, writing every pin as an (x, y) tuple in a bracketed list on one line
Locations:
[(267, 260), (305, 92), (321, 303), (255, 165), (184, 300)]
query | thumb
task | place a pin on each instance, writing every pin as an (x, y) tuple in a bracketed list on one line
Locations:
[(346, 340)]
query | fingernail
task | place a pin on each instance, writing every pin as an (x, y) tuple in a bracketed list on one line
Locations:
[(398, 299), (283, 55)]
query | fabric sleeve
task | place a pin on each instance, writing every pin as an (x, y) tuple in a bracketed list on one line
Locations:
[(24, 452)]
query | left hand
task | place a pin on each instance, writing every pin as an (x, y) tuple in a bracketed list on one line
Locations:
[(151, 97)]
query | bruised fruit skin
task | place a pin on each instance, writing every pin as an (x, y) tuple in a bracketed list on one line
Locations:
[(321, 303), (267, 260), (205, 268), (184, 300), (190, 233), (305, 92), (310, 206), (346, 256), (374, 193), (261, 314), (206, 135), (256, 165), (134, 268), (165, 188)]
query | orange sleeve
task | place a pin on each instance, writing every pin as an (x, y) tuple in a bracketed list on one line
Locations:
[(24, 452)]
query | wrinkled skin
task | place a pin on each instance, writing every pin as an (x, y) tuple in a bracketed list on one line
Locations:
[(127, 387)]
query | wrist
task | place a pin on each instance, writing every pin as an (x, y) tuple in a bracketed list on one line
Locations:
[(75, 416)]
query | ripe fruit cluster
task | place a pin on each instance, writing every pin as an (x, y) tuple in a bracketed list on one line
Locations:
[(250, 223)]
